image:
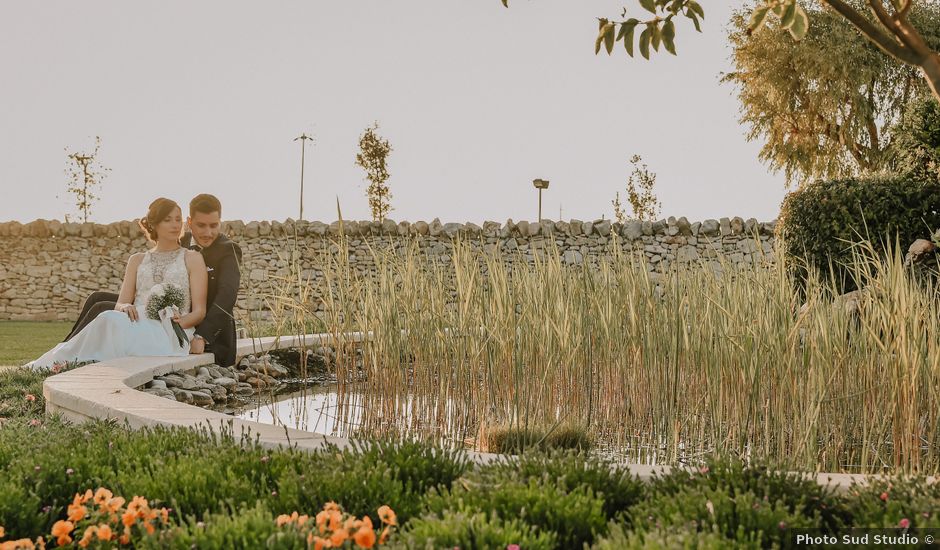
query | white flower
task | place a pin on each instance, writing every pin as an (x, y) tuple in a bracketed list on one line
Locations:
[(157, 289)]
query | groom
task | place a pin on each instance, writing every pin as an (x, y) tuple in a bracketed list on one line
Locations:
[(216, 333)]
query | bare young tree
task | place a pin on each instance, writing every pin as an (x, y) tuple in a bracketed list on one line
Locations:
[(640, 194), (372, 156), (85, 174)]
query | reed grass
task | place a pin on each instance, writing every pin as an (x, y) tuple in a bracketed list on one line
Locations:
[(667, 367)]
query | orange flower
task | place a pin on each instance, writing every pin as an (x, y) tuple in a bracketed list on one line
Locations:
[(2, 532), (301, 520), (114, 505), (339, 536), (104, 532), (86, 497), (125, 539), (331, 506), (336, 520), (90, 533), (102, 496), (77, 512), (61, 531), (318, 543), (20, 544), (150, 528), (387, 515), (165, 514), (128, 518), (365, 535), (384, 536), (322, 517), (285, 519), (138, 505)]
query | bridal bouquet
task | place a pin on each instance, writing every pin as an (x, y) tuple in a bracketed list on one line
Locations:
[(167, 296)]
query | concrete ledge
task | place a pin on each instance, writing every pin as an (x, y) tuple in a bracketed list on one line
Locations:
[(106, 391)]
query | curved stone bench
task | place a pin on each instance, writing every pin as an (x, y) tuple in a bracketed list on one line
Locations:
[(105, 390)]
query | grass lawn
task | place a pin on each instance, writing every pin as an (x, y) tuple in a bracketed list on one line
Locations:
[(23, 341)]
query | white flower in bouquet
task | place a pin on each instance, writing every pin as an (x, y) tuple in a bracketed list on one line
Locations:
[(163, 296)]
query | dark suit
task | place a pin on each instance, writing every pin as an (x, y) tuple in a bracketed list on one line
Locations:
[(222, 258)]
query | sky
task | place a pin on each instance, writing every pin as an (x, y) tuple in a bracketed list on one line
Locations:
[(476, 100)]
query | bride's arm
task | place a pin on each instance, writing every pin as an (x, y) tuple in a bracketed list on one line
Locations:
[(129, 286), (198, 284)]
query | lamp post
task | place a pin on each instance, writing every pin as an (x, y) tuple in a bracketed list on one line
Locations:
[(540, 184), (303, 149)]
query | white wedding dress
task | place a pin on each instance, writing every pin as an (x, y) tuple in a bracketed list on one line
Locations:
[(112, 334)]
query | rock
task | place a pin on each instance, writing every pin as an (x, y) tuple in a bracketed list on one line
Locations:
[(919, 250), (227, 383), (256, 382), (603, 228), (157, 384), (202, 399), (633, 230), (202, 373), (573, 257), (183, 396), (161, 392)]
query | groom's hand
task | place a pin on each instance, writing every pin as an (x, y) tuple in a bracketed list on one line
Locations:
[(197, 345)]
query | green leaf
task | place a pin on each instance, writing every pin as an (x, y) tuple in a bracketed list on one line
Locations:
[(696, 8), (656, 36), (648, 5), (758, 17), (628, 40), (778, 10), (609, 37), (800, 24), (645, 43), (598, 41), (669, 36), (789, 13), (626, 26), (506, 3), (695, 22)]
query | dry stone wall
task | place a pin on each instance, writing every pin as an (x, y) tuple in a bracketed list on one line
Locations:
[(47, 268)]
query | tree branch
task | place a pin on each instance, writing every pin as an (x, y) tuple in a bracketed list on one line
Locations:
[(872, 33), (889, 22)]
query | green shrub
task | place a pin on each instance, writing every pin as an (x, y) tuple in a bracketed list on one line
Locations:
[(750, 505), (885, 503), (575, 516), (820, 220), (616, 486), (244, 527), (661, 539), (469, 530), (365, 477)]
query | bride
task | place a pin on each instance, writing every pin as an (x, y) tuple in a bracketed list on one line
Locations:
[(127, 330)]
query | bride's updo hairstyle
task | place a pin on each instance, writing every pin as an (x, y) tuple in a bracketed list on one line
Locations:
[(158, 211)]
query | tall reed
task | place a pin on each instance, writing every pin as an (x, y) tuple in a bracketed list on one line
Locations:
[(662, 367)]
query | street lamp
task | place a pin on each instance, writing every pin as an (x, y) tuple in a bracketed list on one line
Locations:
[(303, 149), (540, 184)]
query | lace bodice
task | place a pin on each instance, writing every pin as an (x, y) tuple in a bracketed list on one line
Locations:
[(163, 268)]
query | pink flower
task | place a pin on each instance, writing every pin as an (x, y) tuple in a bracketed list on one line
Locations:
[(703, 470), (904, 523), (782, 525), (884, 496), (69, 471), (35, 422), (512, 547), (265, 459), (37, 468), (30, 397)]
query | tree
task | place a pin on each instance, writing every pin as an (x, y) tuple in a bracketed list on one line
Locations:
[(825, 106), (640, 194), (85, 174), (889, 28), (372, 156), (918, 139)]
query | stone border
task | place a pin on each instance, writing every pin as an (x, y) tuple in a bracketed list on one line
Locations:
[(105, 390)]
